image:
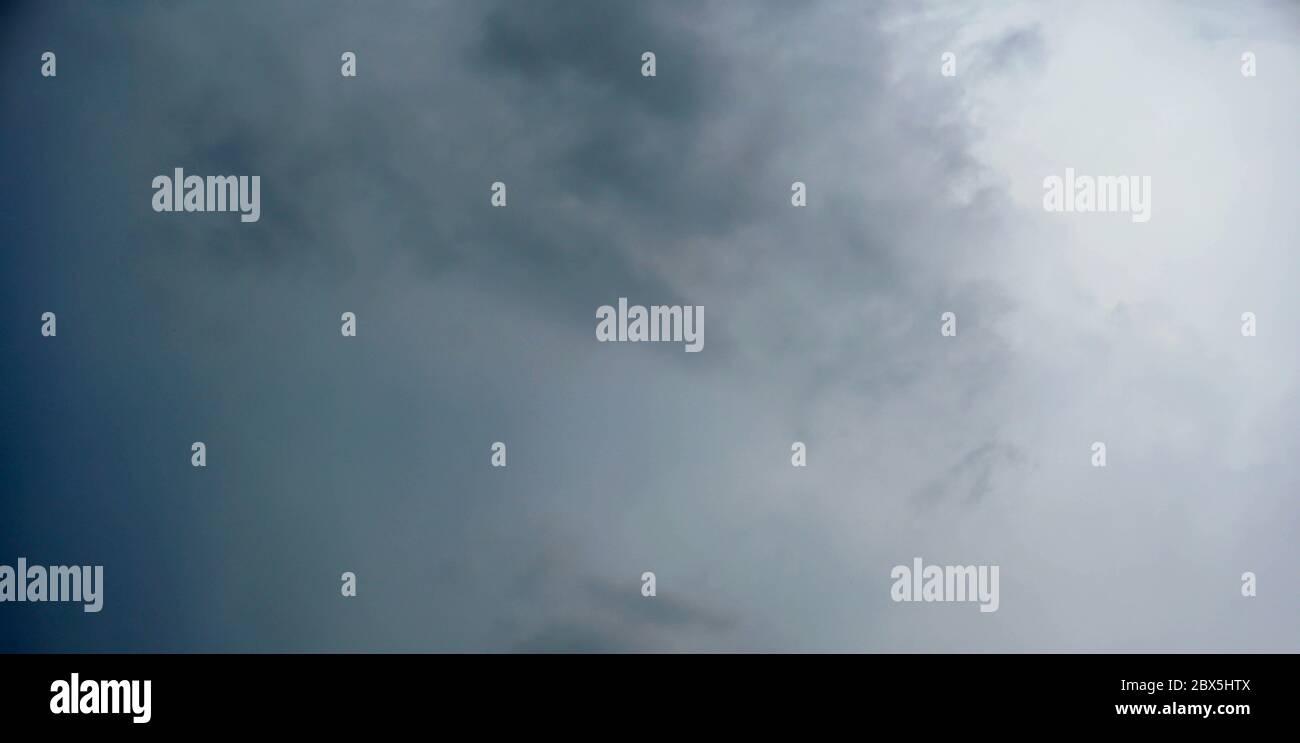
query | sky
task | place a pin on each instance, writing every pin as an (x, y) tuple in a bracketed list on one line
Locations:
[(476, 324)]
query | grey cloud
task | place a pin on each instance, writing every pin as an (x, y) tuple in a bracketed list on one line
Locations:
[(971, 475), (476, 325), (1020, 49), (608, 617), (663, 611)]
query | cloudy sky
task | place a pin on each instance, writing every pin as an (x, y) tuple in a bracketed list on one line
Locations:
[(371, 454)]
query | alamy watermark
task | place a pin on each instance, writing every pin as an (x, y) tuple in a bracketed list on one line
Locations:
[(1105, 193), (92, 697), (676, 323), (82, 583), (919, 582), (216, 193)]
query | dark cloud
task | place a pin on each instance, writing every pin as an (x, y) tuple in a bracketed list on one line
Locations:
[(970, 476), (1021, 49)]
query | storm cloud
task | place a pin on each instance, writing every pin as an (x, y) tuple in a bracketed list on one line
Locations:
[(475, 324)]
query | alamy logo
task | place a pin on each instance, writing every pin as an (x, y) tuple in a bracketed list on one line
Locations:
[(91, 697), (946, 583), (1106, 193), (56, 583), (216, 193), (657, 323)]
